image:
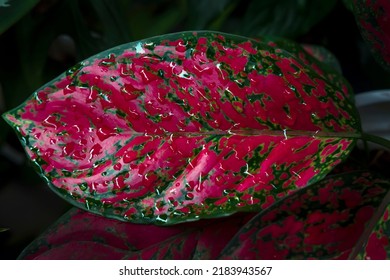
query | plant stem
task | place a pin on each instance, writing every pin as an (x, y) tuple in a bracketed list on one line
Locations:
[(376, 139)]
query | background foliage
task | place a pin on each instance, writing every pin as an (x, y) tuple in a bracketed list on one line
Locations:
[(41, 39)]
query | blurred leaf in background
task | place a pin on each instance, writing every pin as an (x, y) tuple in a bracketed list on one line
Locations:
[(372, 18), (12, 10), (10, 13), (212, 15), (284, 18)]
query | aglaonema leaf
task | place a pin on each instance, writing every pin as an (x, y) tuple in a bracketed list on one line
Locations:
[(319, 59), (377, 246), (323, 55), (337, 218), (372, 18), (186, 126), (82, 235)]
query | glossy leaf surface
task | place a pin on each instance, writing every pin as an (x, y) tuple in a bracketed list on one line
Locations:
[(82, 235), (186, 126), (330, 220), (373, 18), (319, 59)]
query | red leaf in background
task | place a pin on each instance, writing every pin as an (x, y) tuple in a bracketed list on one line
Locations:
[(82, 235), (343, 216), (378, 244), (332, 219), (373, 20), (185, 126)]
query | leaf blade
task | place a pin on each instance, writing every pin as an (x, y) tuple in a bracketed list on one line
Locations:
[(82, 235), (372, 18), (377, 244), (186, 126), (325, 221)]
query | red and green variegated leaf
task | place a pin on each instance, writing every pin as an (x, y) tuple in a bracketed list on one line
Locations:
[(82, 250), (186, 126), (323, 55), (178, 248), (82, 235), (378, 245), (319, 59), (198, 242), (373, 19), (81, 227), (329, 220), (217, 235)]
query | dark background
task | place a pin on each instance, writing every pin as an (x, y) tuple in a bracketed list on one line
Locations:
[(53, 35)]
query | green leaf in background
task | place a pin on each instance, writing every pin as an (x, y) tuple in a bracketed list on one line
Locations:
[(285, 18), (209, 14), (332, 219), (12, 10), (348, 4), (151, 18), (99, 24), (36, 39)]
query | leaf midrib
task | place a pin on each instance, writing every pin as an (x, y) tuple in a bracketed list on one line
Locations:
[(252, 132)]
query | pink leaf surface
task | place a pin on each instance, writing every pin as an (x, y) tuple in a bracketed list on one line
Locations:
[(187, 126)]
